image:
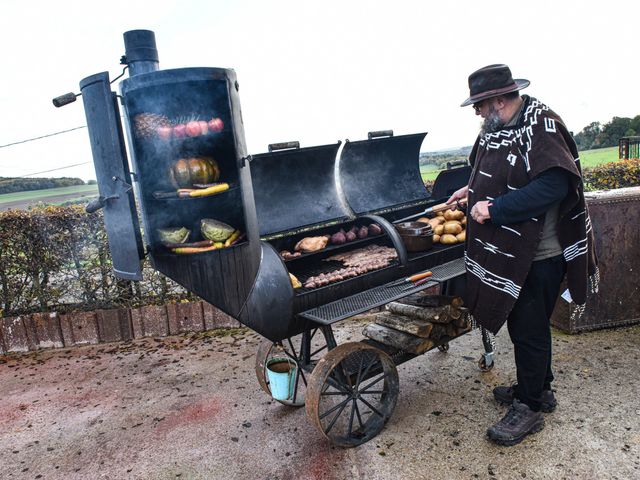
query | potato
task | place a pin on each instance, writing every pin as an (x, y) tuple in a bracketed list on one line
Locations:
[(436, 238), (448, 239), (434, 222), (452, 228), (462, 236), (439, 230), (424, 220), (440, 214), (453, 215), (463, 222)]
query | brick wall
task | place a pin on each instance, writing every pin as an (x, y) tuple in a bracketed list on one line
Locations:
[(51, 330)]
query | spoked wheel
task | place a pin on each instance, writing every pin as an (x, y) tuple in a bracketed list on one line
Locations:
[(444, 347), (351, 394), (294, 349)]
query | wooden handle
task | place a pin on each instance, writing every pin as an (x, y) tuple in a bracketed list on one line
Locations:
[(419, 276), (441, 207)]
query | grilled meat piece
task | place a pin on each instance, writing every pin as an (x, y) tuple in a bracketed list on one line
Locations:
[(311, 244)]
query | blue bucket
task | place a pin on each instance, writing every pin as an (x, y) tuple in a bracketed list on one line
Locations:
[(281, 373)]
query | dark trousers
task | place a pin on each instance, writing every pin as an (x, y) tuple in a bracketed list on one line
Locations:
[(530, 329)]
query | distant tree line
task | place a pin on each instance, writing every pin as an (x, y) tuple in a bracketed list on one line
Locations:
[(12, 185), (596, 135)]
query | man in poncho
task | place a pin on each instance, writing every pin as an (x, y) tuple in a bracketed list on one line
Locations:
[(530, 226)]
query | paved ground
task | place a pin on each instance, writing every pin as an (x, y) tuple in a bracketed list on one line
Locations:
[(190, 407)]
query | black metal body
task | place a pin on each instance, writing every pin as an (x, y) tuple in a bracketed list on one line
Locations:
[(276, 198)]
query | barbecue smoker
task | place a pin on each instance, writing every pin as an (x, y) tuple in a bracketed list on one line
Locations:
[(185, 125)]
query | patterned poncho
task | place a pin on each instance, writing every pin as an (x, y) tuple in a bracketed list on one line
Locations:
[(498, 258)]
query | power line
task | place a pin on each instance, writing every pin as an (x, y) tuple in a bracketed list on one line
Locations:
[(42, 136), (52, 170), (9, 180)]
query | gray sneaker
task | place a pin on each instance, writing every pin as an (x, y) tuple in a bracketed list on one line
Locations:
[(504, 394), (519, 422)]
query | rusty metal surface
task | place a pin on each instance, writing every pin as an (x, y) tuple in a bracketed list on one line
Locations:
[(615, 216)]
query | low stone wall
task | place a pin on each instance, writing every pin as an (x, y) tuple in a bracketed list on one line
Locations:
[(52, 330)]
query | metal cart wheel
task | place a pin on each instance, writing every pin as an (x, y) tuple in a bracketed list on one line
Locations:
[(352, 392), (486, 362), (293, 348), (444, 347)]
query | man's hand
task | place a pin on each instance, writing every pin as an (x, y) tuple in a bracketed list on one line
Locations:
[(480, 211), (458, 195)]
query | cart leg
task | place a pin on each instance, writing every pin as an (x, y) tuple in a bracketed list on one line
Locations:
[(486, 360)]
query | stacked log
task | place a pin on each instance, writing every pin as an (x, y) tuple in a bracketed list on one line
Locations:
[(418, 328)]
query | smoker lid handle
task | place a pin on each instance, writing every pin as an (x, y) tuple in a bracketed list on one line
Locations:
[(283, 146), (457, 163), (380, 133)]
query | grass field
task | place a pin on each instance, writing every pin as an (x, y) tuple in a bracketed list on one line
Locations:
[(54, 196), (588, 159), (591, 158)]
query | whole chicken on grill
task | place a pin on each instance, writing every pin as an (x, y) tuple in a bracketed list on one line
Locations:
[(311, 244)]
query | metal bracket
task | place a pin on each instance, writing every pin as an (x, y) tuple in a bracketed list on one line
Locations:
[(127, 187)]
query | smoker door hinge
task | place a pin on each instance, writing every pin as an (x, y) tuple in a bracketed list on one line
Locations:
[(245, 160)]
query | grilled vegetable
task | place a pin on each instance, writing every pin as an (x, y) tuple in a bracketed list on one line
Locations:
[(173, 235), (375, 229), (215, 230), (435, 221), (452, 227), (448, 239), (338, 238), (187, 171), (201, 243), (187, 250), (453, 214), (232, 238), (205, 192), (295, 283)]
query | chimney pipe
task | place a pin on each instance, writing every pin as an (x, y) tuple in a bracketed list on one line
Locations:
[(141, 54)]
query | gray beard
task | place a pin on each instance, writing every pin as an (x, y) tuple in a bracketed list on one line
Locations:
[(492, 123)]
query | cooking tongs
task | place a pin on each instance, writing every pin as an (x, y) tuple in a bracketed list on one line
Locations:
[(460, 204), (412, 279)]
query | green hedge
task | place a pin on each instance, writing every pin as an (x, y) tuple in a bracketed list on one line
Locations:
[(612, 175), (57, 259)]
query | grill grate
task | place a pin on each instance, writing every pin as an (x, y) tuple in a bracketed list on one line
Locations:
[(375, 297)]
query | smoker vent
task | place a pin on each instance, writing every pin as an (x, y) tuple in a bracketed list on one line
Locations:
[(364, 301)]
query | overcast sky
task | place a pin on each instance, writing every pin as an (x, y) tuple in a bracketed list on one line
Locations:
[(319, 71)]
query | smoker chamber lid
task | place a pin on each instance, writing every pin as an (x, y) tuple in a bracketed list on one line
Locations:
[(382, 172), (295, 188)]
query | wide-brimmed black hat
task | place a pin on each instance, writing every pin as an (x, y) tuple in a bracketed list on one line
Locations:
[(491, 81)]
